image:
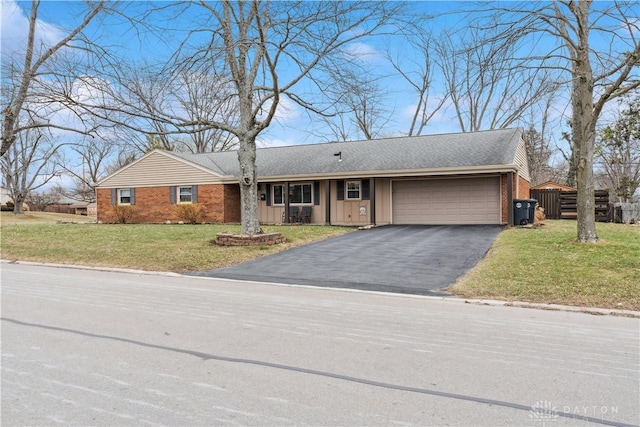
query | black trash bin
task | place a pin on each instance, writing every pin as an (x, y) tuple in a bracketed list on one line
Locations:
[(532, 210), (524, 211)]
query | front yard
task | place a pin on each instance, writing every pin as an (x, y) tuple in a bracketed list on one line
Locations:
[(546, 265), (38, 236), (542, 265)]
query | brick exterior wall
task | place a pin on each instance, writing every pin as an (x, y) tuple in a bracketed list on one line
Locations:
[(520, 191), (524, 188), (232, 203), (218, 203)]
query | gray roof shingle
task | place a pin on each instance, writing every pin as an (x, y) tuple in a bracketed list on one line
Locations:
[(455, 150)]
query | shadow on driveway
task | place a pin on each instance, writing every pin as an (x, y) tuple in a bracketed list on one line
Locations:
[(410, 259)]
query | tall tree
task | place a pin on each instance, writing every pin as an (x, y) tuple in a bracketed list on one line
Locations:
[(271, 50), (619, 152), (360, 107), (487, 85), (29, 164), (93, 157), (597, 73), (24, 71), (419, 74)]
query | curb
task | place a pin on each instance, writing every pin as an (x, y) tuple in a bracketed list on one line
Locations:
[(487, 302)]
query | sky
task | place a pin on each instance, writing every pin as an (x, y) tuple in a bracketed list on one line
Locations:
[(292, 125)]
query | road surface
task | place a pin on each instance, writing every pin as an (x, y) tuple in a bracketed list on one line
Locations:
[(87, 347)]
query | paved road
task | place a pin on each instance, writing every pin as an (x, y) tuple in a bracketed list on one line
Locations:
[(414, 259), (83, 347)]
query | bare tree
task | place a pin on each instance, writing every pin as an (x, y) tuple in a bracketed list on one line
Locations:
[(618, 150), (597, 73), (419, 74), (267, 49), (29, 164), (486, 83), (91, 159), (204, 98), (538, 136), (39, 200), (360, 107), (22, 75)]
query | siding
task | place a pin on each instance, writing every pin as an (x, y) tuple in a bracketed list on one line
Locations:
[(522, 161), (383, 201), (158, 169)]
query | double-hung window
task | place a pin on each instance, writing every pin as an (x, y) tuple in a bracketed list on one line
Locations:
[(353, 190), (185, 195), (278, 194), (124, 196)]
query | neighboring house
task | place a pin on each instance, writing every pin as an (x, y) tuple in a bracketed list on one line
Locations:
[(462, 178), (551, 185), (79, 208)]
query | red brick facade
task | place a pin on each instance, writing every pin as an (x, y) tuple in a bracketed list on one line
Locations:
[(523, 188), (219, 203), (520, 191)]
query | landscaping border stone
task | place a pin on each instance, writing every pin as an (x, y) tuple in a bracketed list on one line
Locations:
[(228, 239)]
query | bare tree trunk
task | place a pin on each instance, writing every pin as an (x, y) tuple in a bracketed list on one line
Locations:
[(18, 208), (248, 186), (583, 120)]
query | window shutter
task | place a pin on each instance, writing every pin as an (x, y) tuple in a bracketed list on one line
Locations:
[(365, 189), (340, 187), (316, 193), (268, 196), (172, 195), (114, 196), (133, 196), (194, 194)]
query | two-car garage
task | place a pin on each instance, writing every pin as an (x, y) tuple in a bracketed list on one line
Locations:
[(446, 201)]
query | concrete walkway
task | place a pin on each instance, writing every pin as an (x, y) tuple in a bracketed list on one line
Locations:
[(415, 259)]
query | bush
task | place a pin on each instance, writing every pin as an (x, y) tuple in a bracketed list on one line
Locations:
[(189, 212), (123, 213)]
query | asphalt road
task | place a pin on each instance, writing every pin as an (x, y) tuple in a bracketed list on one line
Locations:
[(82, 347), (412, 259)]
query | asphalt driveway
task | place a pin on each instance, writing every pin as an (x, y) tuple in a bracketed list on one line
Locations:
[(414, 259)]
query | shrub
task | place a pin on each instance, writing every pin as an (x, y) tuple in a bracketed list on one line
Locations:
[(123, 213), (189, 212)]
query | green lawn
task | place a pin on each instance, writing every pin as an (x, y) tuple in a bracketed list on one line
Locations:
[(547, 265), (538, 265), (38, 236)]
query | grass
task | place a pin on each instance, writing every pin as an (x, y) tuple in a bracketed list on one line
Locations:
[(39, 236), (542, 265), (546, 265)]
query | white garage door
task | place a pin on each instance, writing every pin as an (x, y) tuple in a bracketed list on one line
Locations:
[(447, 201)]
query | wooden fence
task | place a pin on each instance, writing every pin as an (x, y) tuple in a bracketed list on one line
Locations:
[(559, 204)]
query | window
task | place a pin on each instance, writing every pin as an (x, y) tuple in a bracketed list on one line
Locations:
[(124, 196), (185, 195), (299, 194), (353, 190), (278, 194)]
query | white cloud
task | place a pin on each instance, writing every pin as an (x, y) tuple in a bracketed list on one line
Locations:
[(363, 52), (14, 29)]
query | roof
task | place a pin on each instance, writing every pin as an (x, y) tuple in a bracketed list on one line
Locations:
[(553, 185), (454, 151)]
